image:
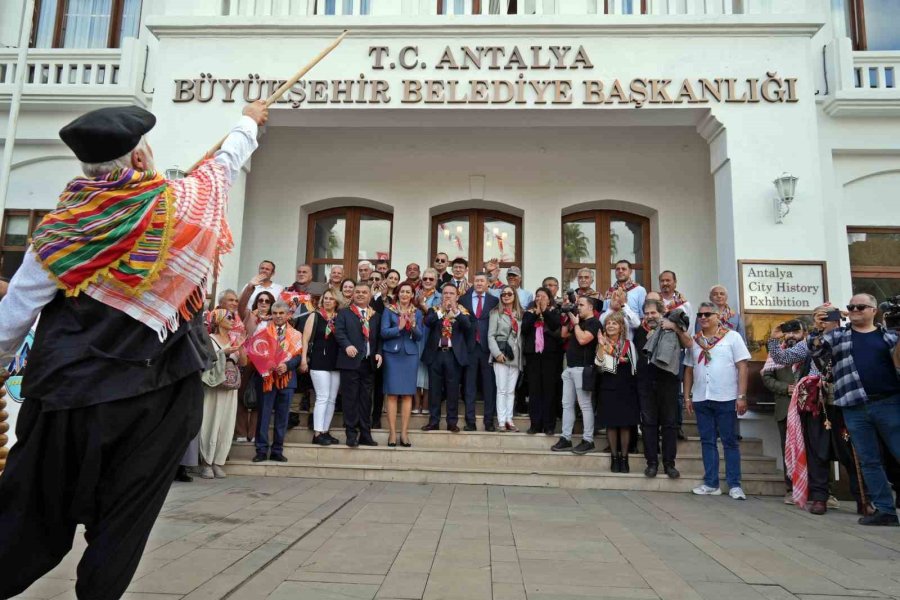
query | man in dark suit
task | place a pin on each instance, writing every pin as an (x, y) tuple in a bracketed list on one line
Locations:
[(357, 329), (446, 354), (479, 303)]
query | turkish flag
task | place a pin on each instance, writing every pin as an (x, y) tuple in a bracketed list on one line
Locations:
[(264, 351)]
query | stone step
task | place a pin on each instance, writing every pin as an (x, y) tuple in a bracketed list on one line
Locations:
[(753, 484), (417, 421), (543, 460), (506, 440)]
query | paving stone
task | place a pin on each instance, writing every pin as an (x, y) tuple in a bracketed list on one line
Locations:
[(307, 590), (402, 584)]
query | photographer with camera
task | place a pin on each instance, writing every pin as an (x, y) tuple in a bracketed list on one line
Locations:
[(866, 363)]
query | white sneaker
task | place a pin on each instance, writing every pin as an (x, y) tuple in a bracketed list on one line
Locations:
[(219, 472), (705, 490), (241, 439), (206, 472), (833, 503), (737, 493)]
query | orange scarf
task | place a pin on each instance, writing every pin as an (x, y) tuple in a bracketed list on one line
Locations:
[(292, 343)]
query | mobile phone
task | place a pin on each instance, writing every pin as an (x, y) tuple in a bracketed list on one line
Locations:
[(833, 316)]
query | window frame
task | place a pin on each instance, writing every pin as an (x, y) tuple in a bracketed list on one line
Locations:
[(873, 271), (114, 36), (477, 217), (34, 218), (603, 245), (352, 216)]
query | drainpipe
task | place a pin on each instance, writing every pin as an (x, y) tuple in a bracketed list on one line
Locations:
[(15, 104)]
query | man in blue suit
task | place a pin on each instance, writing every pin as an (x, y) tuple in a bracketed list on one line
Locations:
[(479, 303), (357, 329), (446, 354)]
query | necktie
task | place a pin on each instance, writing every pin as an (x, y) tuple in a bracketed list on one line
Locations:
[(478, 308)]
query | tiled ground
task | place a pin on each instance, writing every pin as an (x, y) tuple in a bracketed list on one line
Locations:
[(252, 538)]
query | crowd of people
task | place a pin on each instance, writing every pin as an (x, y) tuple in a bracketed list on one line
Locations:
[(383, 345)]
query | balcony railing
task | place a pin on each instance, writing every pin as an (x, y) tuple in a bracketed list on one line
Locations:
[(876, 70), (65, 74), (328, 8)]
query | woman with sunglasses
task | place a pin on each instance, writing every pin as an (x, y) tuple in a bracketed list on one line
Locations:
[(427, 297), (256, 319), (401, 330), (505, 344), (320, 352), (618, 408), (259, 315), (220, 402)]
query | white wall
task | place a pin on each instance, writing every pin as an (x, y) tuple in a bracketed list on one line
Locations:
[(539, 171)]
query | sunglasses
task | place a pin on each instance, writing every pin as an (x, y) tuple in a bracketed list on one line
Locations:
[(505, 294), (428, 279), (263, 301), (858, 307), (706, 315), (440, 260), (229, 317)]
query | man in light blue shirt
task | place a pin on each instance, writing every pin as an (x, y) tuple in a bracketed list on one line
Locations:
[(514, 280), (636, 294)]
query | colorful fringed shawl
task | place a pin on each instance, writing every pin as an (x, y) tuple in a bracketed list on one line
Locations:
[(139, 243)]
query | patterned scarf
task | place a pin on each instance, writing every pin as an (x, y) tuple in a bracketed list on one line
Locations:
[(725, 315), (153, 269), (410, 312), (539, 333), (707, 344), (291, 341), (513, 323), (626, 287), (677, 301), (329, 322), (363, 321), (116, 228), (795, 450)]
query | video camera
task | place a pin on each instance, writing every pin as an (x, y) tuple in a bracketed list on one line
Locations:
[(890, 308), (567, 304)]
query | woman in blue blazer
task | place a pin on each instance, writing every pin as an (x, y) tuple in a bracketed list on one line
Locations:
[(401, 329)]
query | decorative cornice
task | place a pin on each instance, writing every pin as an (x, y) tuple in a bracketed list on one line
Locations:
[(856, 104), (51, 100), (437, 27)]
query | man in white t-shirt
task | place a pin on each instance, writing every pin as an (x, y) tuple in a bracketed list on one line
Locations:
[(261, 282), (715, 386)]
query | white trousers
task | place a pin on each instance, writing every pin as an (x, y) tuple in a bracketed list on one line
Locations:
[(217, 427), (505, 377), (327, 384)]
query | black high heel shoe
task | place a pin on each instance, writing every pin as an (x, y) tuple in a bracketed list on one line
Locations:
[(405, 444), (391, 444)]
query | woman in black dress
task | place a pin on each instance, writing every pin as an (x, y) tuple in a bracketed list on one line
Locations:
[(618, 410), (543, 360)]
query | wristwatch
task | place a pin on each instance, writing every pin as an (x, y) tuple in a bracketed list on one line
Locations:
[(742, 396)]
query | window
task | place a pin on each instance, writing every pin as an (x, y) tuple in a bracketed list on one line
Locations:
[(331, 7), (478, 235), (18, 226), (85, 23), (872, 24), (345, 236), (875, 261), (593, 239)]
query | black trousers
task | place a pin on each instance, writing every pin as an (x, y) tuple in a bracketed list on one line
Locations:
[(378, 396), (480, 366), (659, 410), (108, 466), (356, 389), (544, 373), (443, 383), (817, 440)]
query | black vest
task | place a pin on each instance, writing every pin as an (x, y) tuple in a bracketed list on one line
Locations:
[(86, 353)]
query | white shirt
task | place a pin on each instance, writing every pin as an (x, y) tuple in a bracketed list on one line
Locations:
[(717, 380), (31, 287)]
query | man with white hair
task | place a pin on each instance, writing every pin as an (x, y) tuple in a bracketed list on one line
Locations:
[(118, 273), (364, 270)]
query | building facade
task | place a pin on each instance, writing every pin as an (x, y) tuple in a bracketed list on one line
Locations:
[(553, 134)]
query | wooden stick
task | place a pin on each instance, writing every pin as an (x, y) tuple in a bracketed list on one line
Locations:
[(282, 90)]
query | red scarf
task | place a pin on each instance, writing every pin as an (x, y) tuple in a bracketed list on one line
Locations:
[(512, 319), (627, 287), (706, 345), (329, 322), (726, 315), (410, 313), (363, 321)]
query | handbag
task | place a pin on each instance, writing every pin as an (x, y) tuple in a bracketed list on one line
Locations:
[(588, 374), (232, 376), (507, 350), (215, 375), (249, 398), (607, 363)]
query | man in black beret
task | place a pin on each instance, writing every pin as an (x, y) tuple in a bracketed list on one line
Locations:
[(118, 273)]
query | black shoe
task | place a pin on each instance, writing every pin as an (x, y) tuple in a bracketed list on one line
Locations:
[(470, 427), (431, 427), (549, 432), (880, 519), (405, 444), (331, 438), (352, 442), (533, 430), (277, 457), (651, 471), (672, 472), (293, 420), (562, 445), (624, 467), (392, 444), (182, 475), (376, 424), (368, 442), (453, 428), (614, 463), (260, 458), (584, 447), (490, 427), (321, 440), (309, 422), (681, 435)]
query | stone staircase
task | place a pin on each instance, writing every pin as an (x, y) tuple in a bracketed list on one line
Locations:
[(496, 458)]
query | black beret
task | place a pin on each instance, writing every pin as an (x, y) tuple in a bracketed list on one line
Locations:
[(107, 133)]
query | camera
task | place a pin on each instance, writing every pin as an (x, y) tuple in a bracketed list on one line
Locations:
[(890, 308), (567, 304)]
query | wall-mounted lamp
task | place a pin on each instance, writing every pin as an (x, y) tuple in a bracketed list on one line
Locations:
[(786, 185), (174, 173)]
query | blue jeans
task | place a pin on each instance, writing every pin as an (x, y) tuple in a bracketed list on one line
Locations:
[(280, 401), (866, 422), (712, 418)]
